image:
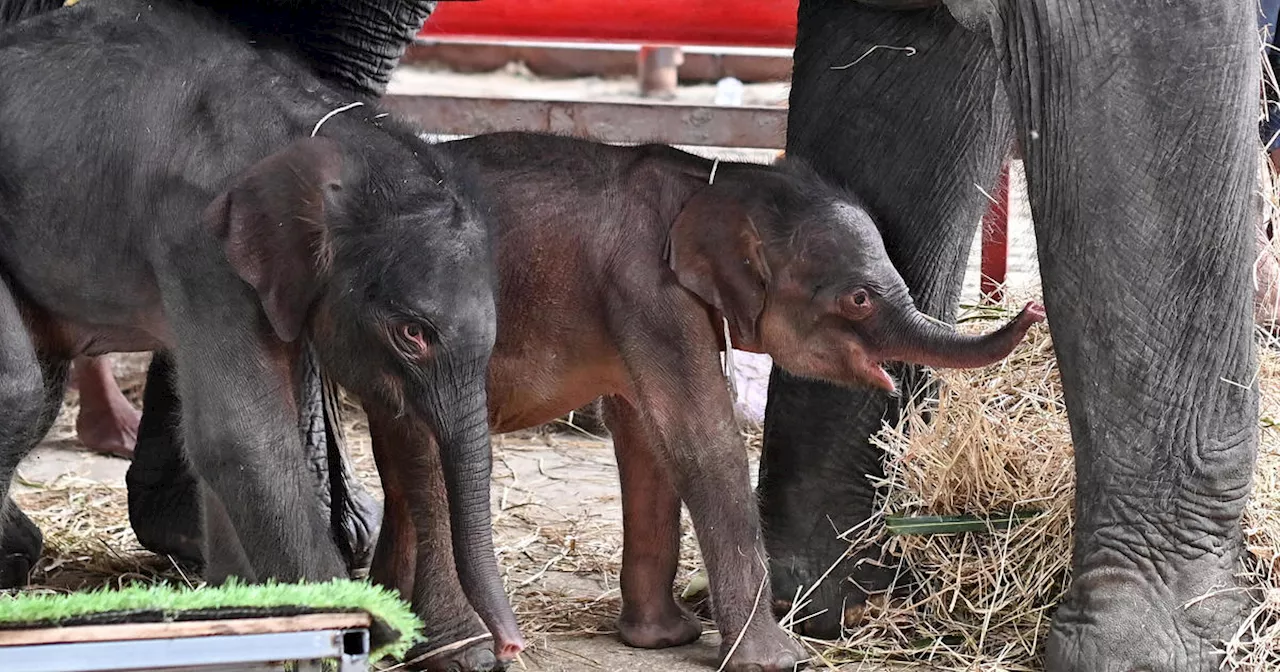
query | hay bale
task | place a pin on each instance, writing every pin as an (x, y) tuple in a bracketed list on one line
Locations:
[(999, 443)]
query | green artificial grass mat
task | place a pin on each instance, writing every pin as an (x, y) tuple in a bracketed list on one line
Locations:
[(395, 627)]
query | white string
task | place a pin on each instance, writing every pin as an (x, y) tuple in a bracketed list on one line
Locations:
[(331, 114), (444, 649), (728, 363)]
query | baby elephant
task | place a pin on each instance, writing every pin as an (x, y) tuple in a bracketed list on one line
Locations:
[(621, 273)]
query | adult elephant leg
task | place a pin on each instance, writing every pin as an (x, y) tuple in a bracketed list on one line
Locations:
[(240, 433), (914, 133), (164, 495), (1139, 125)]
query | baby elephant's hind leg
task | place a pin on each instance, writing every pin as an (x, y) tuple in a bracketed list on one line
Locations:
[(651, 618)]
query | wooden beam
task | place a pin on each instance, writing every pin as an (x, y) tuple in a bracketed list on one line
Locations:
[(674, 124), (582, 59)]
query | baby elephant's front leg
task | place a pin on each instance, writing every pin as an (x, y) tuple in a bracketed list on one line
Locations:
[(414, 555), (698, 439)]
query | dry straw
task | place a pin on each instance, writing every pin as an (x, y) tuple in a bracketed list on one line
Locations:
[(998, 444)]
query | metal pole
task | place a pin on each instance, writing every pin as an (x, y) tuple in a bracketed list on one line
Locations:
[(657, 68)]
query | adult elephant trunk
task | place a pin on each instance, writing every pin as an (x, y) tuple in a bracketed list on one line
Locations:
[(467, 459), (913, 337)]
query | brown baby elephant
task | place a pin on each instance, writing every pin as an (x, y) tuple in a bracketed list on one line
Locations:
[(621, 271)]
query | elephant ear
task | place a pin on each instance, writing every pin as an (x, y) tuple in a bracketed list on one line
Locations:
[(716, 253), (271, 224)]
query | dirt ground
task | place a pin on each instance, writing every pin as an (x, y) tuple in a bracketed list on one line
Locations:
[(557, 513)]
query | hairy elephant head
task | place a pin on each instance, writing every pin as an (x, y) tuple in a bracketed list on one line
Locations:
[(800, 271), (380, 259)]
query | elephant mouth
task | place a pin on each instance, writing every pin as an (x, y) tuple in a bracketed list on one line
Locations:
[(869, 369), (881, 379), (874, 374)]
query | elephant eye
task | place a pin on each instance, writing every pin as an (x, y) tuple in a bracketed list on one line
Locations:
[(412, 338), (856, 305)]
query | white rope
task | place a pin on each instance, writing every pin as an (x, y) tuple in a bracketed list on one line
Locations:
[(727, 360), (728, 364), (332, 114)]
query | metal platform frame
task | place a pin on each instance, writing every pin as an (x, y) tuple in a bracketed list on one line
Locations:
[(300, 643)]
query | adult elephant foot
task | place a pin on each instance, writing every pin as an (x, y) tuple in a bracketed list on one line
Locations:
[(164, 497), (805, 509), (1125, 620), (20, 544)]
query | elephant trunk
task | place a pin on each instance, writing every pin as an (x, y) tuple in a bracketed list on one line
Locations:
[(467, 459), (917, 339)]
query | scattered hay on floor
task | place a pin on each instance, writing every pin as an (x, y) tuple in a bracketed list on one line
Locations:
[(88, 542), (997, 454), (1256, 645)]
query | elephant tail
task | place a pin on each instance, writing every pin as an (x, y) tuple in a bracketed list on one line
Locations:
[(13, 11)]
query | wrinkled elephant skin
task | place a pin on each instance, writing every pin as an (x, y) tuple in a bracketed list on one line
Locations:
[(1138, 129)]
